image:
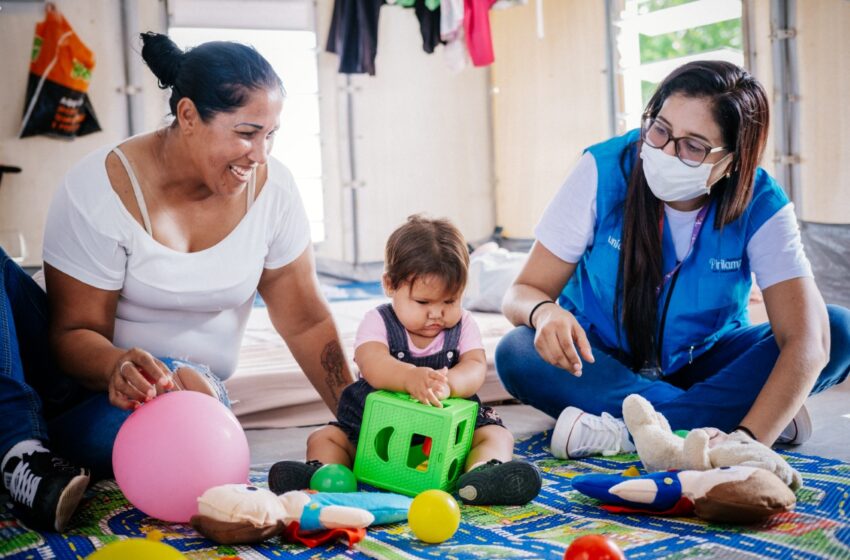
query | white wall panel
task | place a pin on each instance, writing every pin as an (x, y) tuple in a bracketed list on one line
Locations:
[(24, 197), (421, 139), (550, 101)]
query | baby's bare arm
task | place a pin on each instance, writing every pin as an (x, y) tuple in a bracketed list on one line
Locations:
[(467, 377)]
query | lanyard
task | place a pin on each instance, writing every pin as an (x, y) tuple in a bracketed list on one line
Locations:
[(694, 234)]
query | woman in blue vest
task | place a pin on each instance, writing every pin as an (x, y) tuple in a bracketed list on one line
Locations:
[(641, 273)]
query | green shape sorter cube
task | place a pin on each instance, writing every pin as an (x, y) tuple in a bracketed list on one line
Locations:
[(389, 450)]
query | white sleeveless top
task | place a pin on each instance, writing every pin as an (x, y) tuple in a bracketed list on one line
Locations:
[(183, 305)]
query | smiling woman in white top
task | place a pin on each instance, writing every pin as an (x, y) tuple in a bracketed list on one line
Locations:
[(154, 251)]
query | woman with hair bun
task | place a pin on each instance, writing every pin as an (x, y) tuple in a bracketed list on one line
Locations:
[(154, 250)]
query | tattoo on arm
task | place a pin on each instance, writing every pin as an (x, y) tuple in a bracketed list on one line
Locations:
[(333, 362)]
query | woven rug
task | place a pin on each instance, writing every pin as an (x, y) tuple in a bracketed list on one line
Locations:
[(818, 528)]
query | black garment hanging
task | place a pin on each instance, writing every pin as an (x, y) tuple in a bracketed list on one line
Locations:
[(353, 35), (429, 25)]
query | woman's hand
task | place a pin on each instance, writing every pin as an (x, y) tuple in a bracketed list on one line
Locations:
[(136, 378), (424, 383), (557, 337)]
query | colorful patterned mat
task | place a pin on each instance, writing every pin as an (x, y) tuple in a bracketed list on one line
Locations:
[(819, 528)]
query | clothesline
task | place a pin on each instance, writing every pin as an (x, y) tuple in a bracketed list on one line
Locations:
[(463, 26)]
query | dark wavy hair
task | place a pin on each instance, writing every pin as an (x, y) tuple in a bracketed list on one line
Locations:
[(217, 76), (739, 106), (427, 247)]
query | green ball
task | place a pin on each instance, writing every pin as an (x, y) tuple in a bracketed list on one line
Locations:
[(681, 433), (333, 478)]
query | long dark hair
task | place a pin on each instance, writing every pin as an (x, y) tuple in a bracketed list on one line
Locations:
[(217, 76), (739, 106)]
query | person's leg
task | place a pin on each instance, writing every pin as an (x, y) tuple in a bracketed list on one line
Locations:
[(192, 376), (490, 442), (492, 477), (587, 408), (722, 385), (601, 388), (23, 334), (837, 369), (44, 488), (335, 443), (85, 432), (329, 445)]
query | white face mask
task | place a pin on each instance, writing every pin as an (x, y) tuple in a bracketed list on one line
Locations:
[(671, 180)]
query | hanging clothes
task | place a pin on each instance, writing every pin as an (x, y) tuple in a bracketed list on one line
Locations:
[(429, 24), (505, 4), (476, 24), (451, 32), (430, 4), (353, 35), (451, 19)]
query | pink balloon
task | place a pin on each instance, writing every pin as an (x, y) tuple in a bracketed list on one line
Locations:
[(173, 449)]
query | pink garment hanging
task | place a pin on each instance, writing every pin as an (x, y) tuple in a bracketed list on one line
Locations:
[(476, 24)]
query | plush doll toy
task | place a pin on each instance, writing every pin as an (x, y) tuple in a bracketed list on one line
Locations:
[(726, 494), (245, 514), (660, 449), (737, 480)]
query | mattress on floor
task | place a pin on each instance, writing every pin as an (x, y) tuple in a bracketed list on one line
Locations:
[(269, 390)]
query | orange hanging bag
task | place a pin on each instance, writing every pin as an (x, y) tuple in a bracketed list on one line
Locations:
[(60, 70)]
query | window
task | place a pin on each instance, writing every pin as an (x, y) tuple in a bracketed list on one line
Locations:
[(292, 53), (656, 36)]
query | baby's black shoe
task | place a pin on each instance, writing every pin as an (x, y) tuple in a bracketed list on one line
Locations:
[(285, 476), (500, 484)]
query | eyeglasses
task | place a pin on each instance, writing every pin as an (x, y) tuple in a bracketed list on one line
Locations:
[(690, 151)]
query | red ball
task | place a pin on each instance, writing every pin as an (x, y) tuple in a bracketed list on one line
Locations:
[(594, 547)]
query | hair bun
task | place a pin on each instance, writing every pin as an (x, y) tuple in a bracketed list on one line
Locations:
[(163, 57)]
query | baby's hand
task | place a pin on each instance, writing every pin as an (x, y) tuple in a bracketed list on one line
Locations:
[(422, 383), (442, 390)]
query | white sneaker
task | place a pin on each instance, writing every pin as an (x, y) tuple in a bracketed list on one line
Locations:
[(579, 434), (799, 430)]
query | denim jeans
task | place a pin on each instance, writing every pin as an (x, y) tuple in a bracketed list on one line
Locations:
[(37, 401), (717, 389)]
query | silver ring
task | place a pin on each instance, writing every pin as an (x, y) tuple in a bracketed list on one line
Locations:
[(124, 363)]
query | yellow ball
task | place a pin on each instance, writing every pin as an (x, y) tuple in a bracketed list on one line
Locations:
[(136, 549), (434, 516)]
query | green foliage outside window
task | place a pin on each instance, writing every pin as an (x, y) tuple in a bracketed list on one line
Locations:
[(723, 34), (691, 41), (647, 6)]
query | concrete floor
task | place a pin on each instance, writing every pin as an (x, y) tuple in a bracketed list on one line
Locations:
[(830, 412)]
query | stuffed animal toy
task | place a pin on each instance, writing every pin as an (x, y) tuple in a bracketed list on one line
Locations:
[(661, 450), (246, 514), (726, 495)]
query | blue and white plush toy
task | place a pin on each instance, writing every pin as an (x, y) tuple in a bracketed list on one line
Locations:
[(245, 514), (727, 495)]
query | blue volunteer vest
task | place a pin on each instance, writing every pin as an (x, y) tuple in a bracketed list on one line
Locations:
[(708, 296)]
